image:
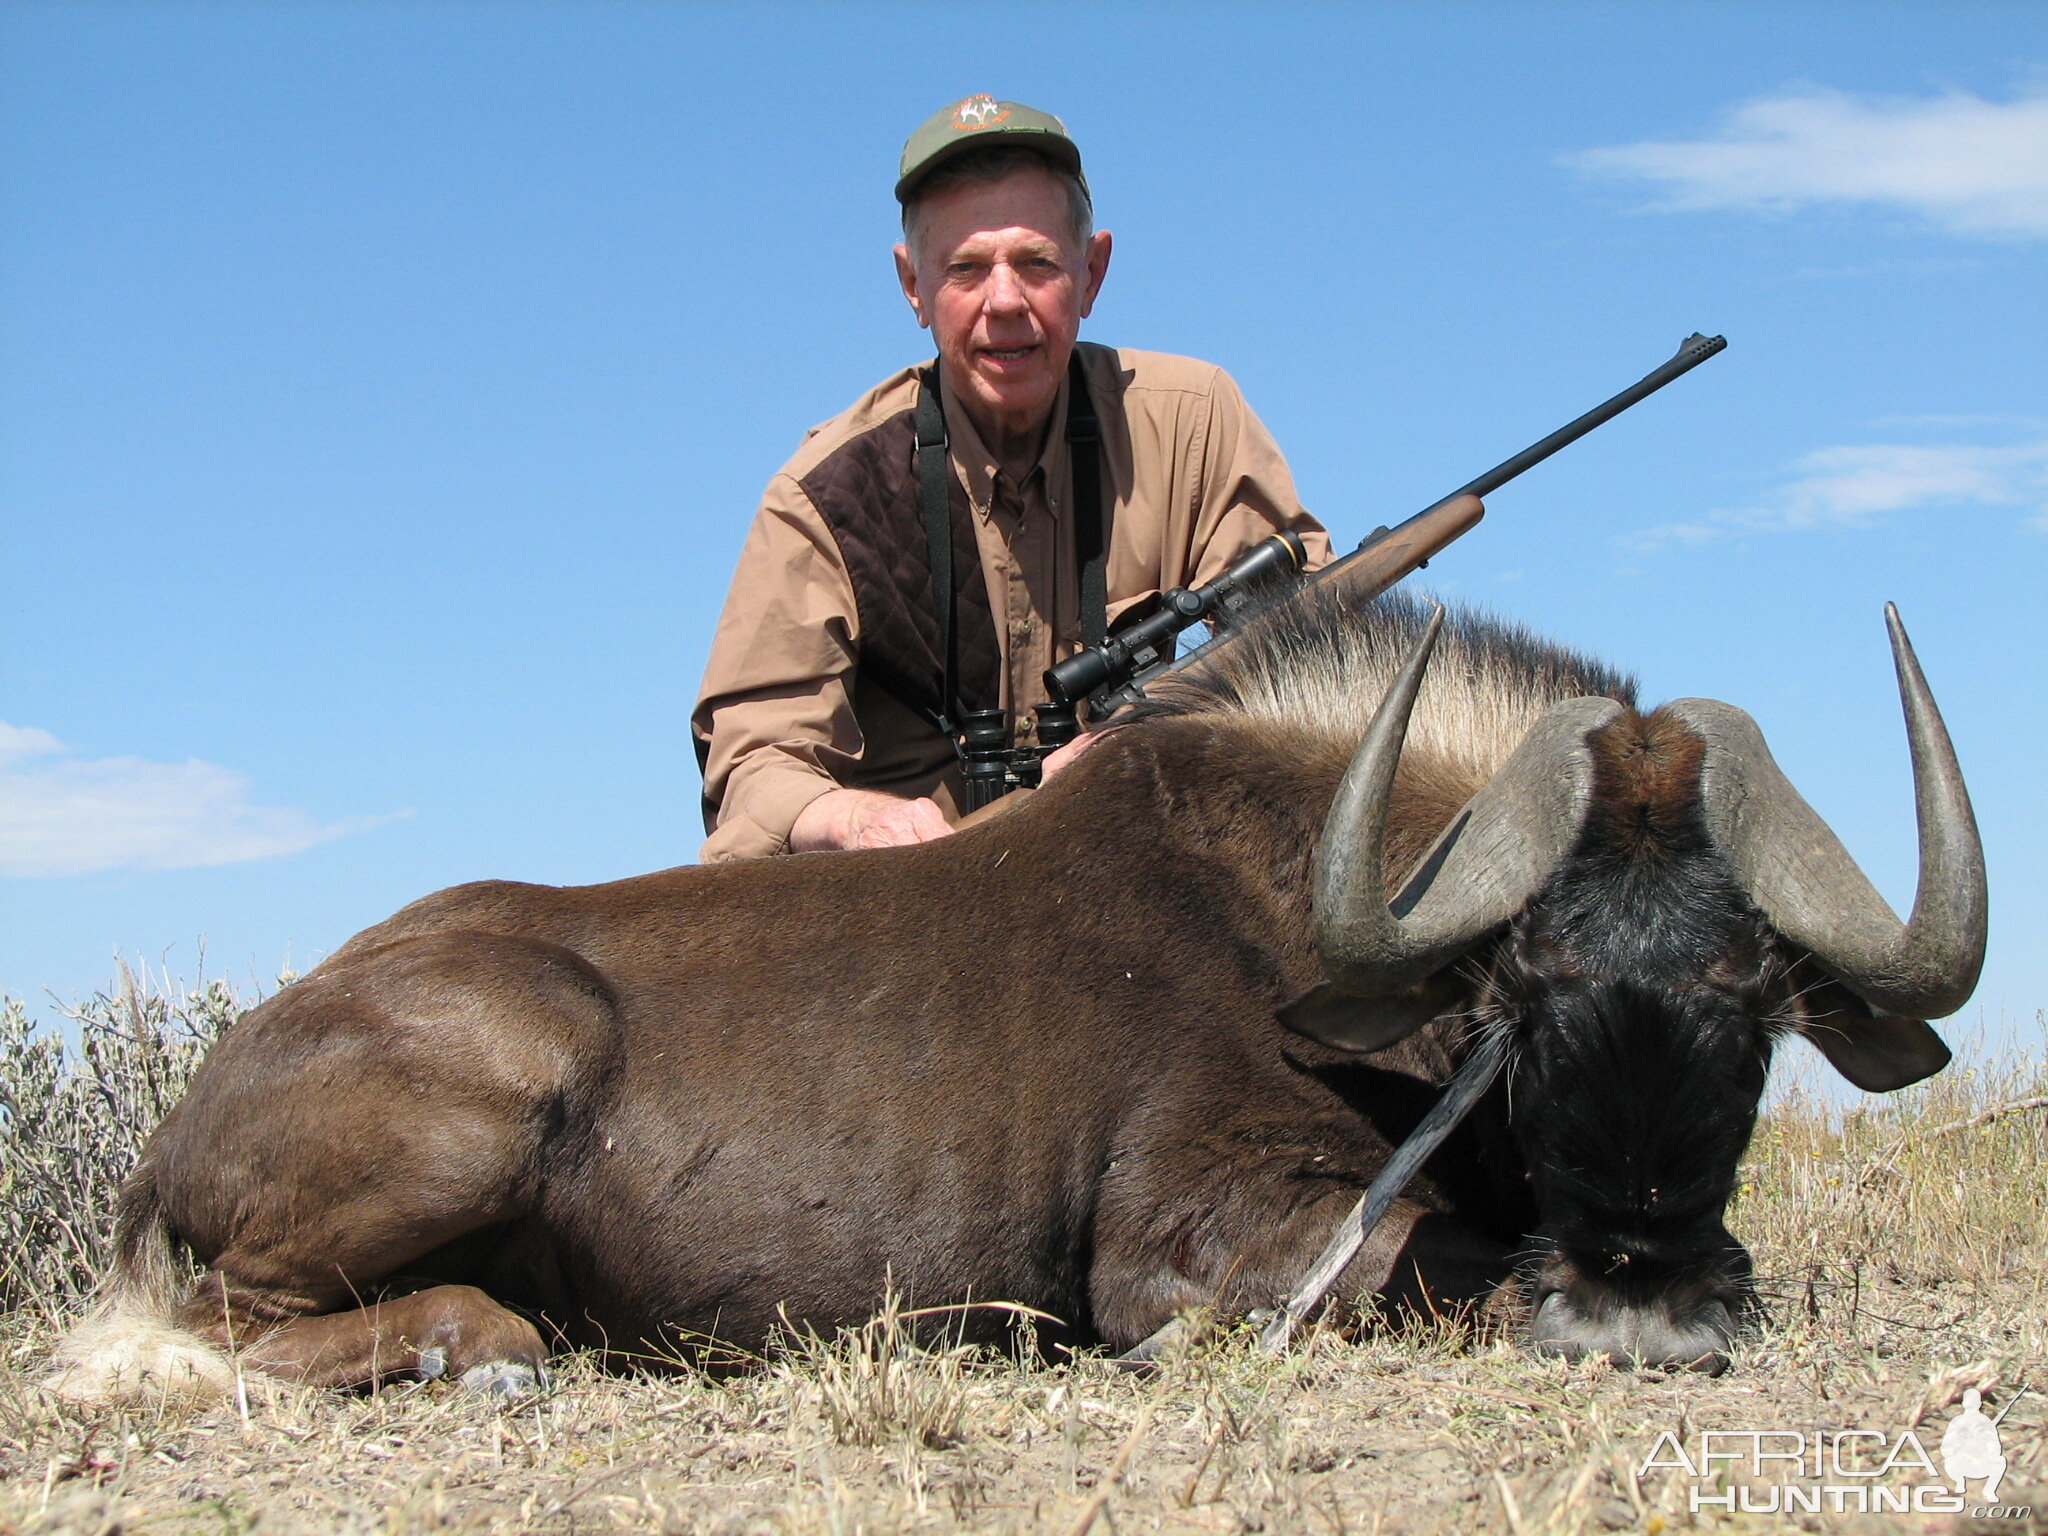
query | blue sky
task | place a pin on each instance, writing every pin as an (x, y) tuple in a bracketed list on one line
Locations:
[(387, 389)]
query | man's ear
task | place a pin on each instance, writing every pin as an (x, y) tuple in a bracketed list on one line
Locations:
[(1098, 269), (906, 274)]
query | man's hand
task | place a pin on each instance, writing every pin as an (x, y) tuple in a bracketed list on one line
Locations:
[(865, 818), (1059, 757)]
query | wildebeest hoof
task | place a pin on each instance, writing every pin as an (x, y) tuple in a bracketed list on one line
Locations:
[(1144, 1356), (433, 1363), (506, 1379)]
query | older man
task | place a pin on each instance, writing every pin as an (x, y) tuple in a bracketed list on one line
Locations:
[(1050, 486)]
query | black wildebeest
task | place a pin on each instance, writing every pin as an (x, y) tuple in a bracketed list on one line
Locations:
[(1039, 1061)]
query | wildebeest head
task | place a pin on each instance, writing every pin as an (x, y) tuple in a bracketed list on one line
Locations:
[(1644, 904)]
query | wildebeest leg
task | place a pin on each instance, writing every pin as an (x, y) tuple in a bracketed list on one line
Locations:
[(1225, 1258), (375, 1113), (448, 1330)]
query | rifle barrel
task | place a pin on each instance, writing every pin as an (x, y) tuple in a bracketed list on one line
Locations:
[(1693, 351), (1388, 554)]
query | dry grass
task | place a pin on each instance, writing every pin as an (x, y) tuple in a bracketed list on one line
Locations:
[(1903, 1245)]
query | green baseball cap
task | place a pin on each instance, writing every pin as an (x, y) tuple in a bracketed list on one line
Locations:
[(979, 120)]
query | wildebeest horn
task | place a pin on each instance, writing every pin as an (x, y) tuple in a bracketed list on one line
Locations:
[(1495, 855), (1802, 878)]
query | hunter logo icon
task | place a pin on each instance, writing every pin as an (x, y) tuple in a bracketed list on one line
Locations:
[(1970, 1449), (979, 112)]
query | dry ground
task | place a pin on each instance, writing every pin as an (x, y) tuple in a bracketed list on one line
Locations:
[(1903, 1245)]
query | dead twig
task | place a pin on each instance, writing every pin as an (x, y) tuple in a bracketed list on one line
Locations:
[(1099, 1499), (1880, 1162), (1508, 1505)]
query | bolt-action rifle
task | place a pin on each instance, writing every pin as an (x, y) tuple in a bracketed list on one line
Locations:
[(1104, 678)]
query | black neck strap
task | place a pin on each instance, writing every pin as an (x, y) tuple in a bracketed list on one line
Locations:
[(934, 486), (1091, 532), (1091, 529)]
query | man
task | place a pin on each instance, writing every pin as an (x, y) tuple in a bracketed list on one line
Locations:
[(838, 659)]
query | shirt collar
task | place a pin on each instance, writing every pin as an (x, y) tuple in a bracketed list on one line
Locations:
[(978, 466)]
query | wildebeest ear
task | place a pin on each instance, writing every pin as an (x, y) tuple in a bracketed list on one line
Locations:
[(1877, 1052), (1351, 1023)]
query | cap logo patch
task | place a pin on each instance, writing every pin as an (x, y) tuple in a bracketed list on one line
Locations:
[(979, 112)]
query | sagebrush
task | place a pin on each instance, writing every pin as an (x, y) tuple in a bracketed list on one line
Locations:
[(76, 1105)]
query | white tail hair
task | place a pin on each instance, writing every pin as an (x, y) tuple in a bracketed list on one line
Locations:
[(129, 1348)]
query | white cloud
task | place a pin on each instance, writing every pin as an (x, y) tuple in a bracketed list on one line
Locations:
[(1850, 486), (1968, 165), (65, 815), (20, 741)]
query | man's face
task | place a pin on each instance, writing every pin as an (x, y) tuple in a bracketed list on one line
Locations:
[(1001, 283)]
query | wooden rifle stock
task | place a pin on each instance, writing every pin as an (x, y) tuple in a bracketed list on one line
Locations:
[(1394, 553), (1387, 556)]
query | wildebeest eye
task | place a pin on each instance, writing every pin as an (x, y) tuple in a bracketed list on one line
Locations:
[(1747, 967)]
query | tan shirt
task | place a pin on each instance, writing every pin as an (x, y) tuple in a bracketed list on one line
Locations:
[(1191, 480)]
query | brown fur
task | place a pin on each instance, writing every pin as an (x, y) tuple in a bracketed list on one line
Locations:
[(1034, 1062), (1648, 772)]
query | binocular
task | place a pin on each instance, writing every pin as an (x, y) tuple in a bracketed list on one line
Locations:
[(1105, 677)]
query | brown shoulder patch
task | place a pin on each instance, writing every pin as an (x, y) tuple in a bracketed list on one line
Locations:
[(867, 492)]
